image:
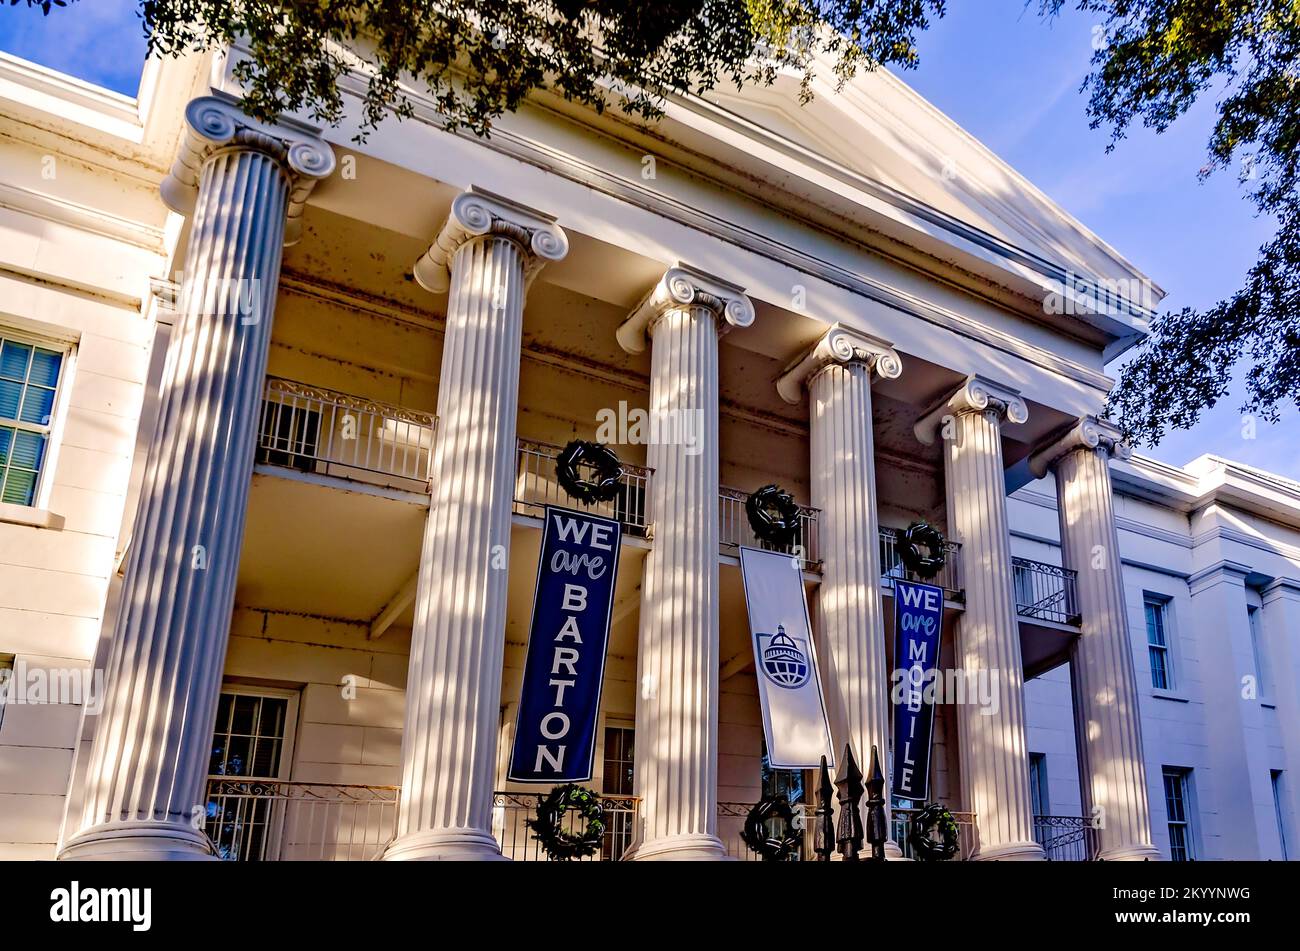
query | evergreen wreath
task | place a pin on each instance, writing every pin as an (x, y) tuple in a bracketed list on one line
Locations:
[(772, 848), (561, 846), (604, 486), (918, 536), (920, 838), (773, 515)]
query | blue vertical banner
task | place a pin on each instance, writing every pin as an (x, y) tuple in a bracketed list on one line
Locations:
[(555, 735), (918, 625)]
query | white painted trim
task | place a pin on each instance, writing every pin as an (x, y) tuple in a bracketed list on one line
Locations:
[(83, 217), (32, 86)]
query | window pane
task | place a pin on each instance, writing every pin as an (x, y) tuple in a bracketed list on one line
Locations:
[(10, 396), (45, 368), (239, 756), (1178, 843), (1159, 676), (20, 487), (1155, 623), (38, 406), (245, 715), (6, 437), (28, 450), (13, 360)]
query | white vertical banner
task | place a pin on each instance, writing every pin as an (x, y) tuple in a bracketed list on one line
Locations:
[(785, 661)]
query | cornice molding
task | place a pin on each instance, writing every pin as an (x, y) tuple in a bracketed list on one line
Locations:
[(478, 212), (1090, 433), (680, 287), (1288, 588), (843, 346), (213, 124), (975, 395), (1221, 572), (82, 217)]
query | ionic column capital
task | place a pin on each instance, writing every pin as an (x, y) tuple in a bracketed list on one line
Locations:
[(975, 395), (476, 213), (843, 346), (683, 286), (1088, 432), (212, 124)]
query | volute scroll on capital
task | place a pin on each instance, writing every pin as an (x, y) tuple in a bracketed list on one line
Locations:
[(842, 346), (476, 213), (1087, 433), (683, 286), (974, 395), (213, 124)]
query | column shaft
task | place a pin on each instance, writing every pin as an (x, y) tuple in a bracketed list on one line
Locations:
[(676, 761), (994, 764), (485, 256), (844, 490), (146, 775), (676, 768), (1107, 721), (458, 642)]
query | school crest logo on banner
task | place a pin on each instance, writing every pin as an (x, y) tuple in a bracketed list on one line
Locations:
[(794, 712)]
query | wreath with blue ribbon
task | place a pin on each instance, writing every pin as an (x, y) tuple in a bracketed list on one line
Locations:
[(548, 827)]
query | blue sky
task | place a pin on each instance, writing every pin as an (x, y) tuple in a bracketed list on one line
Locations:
[(1008, 77)]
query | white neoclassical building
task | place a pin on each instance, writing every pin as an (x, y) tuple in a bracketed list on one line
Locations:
[(279, 414)]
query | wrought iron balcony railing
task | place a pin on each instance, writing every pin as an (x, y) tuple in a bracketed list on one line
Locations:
[(949, 577), (536, 486), (1066, 838), (1045, 592), (734, 529), (511, 812), (254, 820), (316, 430)]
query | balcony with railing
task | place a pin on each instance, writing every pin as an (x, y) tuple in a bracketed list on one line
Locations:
[(537, 486), (949, 577), (511, 813), (1045, 592), (314, 430), (1066, 838), (735, 531), (250, 820)]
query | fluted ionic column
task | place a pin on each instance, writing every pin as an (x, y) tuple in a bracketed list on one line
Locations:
[(1107, 723), (676, 760), (485, 256), (837, 372), (244, 184), (994, 761)]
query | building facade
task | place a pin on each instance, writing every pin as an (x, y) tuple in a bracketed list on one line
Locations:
[(279, 414)]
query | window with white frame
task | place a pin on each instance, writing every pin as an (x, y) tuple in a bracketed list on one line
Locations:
[(1038, 784), (30, 372), (1178, 795), (1279, 809), (251, 748), (1263, 684), (1157, 617)]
